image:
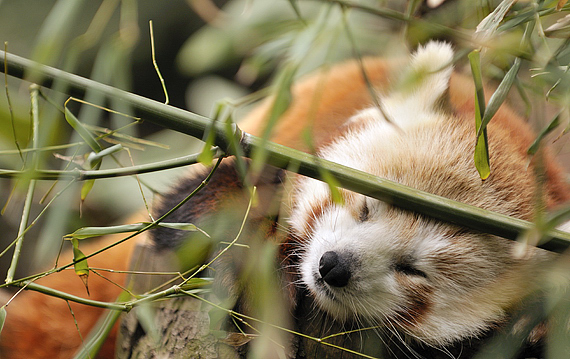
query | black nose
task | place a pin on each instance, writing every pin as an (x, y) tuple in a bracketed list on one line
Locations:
[(335, 269)]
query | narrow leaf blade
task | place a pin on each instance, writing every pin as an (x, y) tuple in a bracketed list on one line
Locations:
[(80, 266), (333, 186), (481, 154), (281, 102), (551, 126), (206, 156), (189, 227), (86, 188), (89, 232), (82, 131), (3, 314), (500, 95), (98, 335), (180, 226)]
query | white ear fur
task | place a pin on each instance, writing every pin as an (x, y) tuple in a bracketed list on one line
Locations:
[(423, 82), (429, 72)]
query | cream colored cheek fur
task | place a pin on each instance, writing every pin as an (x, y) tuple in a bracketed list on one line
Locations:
[(421, 297), (374, 292)]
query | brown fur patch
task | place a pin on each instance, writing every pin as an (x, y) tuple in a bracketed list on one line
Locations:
[(417, 302), (317, 211)]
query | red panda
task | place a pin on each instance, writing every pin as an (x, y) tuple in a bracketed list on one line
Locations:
[(365, 261), (434, 282)]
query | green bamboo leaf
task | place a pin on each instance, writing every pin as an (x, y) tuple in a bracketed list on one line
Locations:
[(3, 314), (333, 185), (324, 174), (98, 335), (82, 131), (90, 232), (180, 226), (86, 188), (282, 96), (499, 95), (183, 227), (54, 33), (125, 139), (481, 154), (545, 131), (206, 156), (80, 263), (281, 103)]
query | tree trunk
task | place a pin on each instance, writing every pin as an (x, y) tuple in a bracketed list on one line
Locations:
[(172, 328)]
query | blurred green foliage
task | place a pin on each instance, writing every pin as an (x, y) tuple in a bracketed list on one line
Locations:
[(232, 48)]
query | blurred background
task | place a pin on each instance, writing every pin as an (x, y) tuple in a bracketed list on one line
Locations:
[(210, 50)]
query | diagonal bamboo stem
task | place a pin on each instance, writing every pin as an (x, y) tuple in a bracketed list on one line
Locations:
[(281, 156)]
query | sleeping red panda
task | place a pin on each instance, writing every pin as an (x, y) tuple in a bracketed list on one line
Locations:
[(431, 281), (428, 283), (367, 261)]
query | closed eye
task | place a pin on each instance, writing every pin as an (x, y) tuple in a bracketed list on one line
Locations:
[(407, 267), (364, 213)]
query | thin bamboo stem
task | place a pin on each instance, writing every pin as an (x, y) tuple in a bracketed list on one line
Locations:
[(84, 175)]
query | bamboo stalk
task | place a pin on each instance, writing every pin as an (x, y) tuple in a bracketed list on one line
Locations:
[(280, 156)]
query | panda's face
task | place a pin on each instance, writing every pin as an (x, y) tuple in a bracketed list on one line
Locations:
[(369, 262)]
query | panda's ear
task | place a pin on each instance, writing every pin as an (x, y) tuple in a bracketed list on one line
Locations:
[(423, 82), (426, 78)]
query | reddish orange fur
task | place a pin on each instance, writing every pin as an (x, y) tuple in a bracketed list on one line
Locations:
[(39, 326)]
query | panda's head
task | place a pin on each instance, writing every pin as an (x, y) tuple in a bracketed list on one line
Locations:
[(366, 260)]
